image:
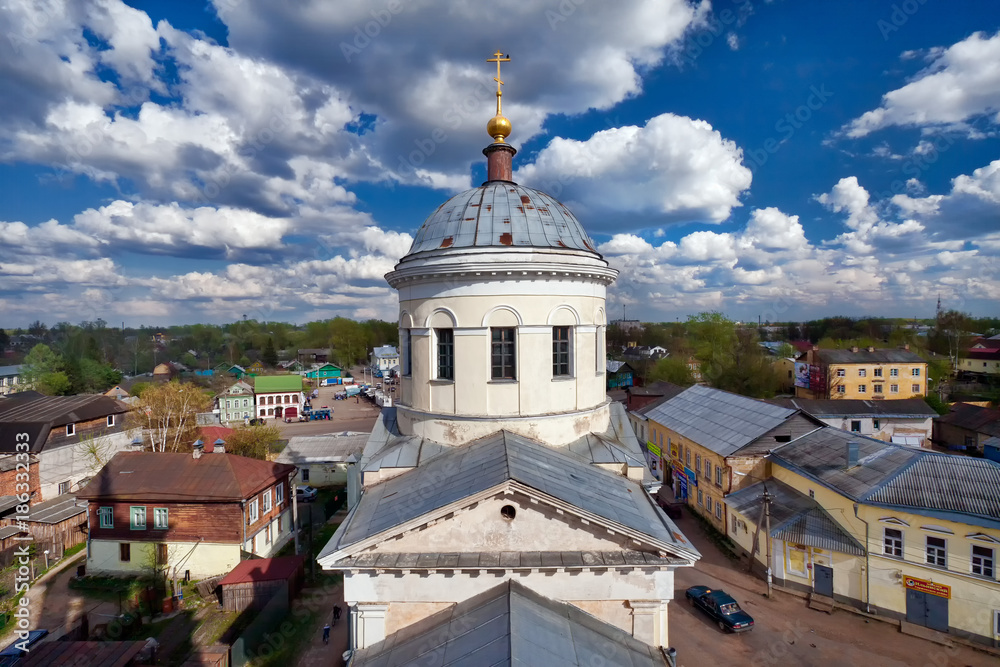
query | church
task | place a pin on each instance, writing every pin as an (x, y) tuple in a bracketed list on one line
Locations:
[(501, 511)]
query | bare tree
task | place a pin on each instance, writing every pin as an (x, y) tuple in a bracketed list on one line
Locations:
[(168, 414)]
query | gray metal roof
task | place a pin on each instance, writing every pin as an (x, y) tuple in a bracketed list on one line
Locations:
[(920, 481), (8, 502), (501, 214), (823, 455), (947, 482), (335, 447), (795, 517), (717, 420), (58, 509), (864, 356), (478, 560), (905, 408), (9, 531), (511, 625), (464, 471), (404, 452), (7, 371)]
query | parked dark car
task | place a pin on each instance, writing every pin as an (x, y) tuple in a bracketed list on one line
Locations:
[(12, 655), (721, 607)]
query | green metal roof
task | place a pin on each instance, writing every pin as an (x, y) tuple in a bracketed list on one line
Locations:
[(267, 383)]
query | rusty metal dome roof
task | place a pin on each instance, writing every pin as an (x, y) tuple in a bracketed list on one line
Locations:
[(499, 214)]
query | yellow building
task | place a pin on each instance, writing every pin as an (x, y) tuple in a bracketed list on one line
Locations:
[(927, 524), (857, 373), (714, 442)]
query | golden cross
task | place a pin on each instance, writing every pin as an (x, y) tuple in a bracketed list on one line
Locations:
[(498, 58)]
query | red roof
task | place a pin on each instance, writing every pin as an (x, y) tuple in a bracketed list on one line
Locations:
[(209, 434), (83, 653), (801, 345), (264, 569)]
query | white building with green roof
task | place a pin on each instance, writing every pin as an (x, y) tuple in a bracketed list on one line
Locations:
[(278, 396)]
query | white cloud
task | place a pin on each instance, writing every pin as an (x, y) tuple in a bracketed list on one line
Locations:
[(959, 84), (733, 41), (672, 169)]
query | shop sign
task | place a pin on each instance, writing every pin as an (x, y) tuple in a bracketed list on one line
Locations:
[(925, 586), (691, 475), (653, 447)]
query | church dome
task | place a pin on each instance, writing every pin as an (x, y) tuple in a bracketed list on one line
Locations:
[(501, 214)]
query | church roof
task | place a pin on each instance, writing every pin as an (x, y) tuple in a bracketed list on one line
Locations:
[(465, 471), (510, 625), (501, 214)]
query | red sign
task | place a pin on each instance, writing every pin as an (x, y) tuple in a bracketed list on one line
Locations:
[(925, 586)]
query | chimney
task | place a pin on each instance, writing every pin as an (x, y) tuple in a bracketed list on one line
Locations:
[(854, 349), (871, 349), (906, 346), (219, 447), (197, 449), (852, 454)]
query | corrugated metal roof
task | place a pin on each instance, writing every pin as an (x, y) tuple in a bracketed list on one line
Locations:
[(263, 384), (717, 420), (58, 410), (920, 480), (263, 569), (900, 408), (501, 214), (973, 418), (863, 356), (511, 625), (9, 531), (83, 654), (795, 517), (946, 482), (8, 371), (58, 509), (335, 447), (463, 471), (535, 560), (615, 366)]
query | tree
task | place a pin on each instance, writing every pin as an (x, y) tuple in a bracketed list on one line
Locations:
[(671, 369), (167, 412), (54, 384), (253, 441), (139, 387), (270, 355), (95, 451), (38, 363), (953, 326)]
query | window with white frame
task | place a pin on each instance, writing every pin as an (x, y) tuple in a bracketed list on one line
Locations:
[(718, 476), (862, 372), (937, 551), (862, 388), (892, 542), (708, 469), (841, 372), (137, 517), (111, 420), (916, 388), (708, 503), (875, 424), (106, 517), (252, 511), (718, 510), (894, 372), (878, 372), (983, 561), (70, 429), (697, 463), (841, 389), (876, 388), (267, 500), (161, 520), (916, 372), (701, 497), (893, 388), (407, 353), (279, 494), (502, 353), (64, 487), (561, 351)]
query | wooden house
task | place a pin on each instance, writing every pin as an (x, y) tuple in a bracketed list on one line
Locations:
[(253, 583), (192, 513)]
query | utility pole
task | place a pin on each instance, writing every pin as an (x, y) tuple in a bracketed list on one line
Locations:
[(767, 536)]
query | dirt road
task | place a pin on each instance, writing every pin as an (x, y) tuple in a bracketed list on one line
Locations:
[(786, 631)]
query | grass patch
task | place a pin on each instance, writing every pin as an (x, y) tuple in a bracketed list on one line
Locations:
[(296, 642), (110, 589), (72, 551)]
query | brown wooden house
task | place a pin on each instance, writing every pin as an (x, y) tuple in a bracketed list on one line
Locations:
[(199, 514)]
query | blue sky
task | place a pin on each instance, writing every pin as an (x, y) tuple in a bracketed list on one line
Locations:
[(165, 162)]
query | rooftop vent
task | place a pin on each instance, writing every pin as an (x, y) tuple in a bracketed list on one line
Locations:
[(852, 454)]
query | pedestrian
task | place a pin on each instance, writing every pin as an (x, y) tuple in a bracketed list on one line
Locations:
[(336, 613), (326, 633)]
